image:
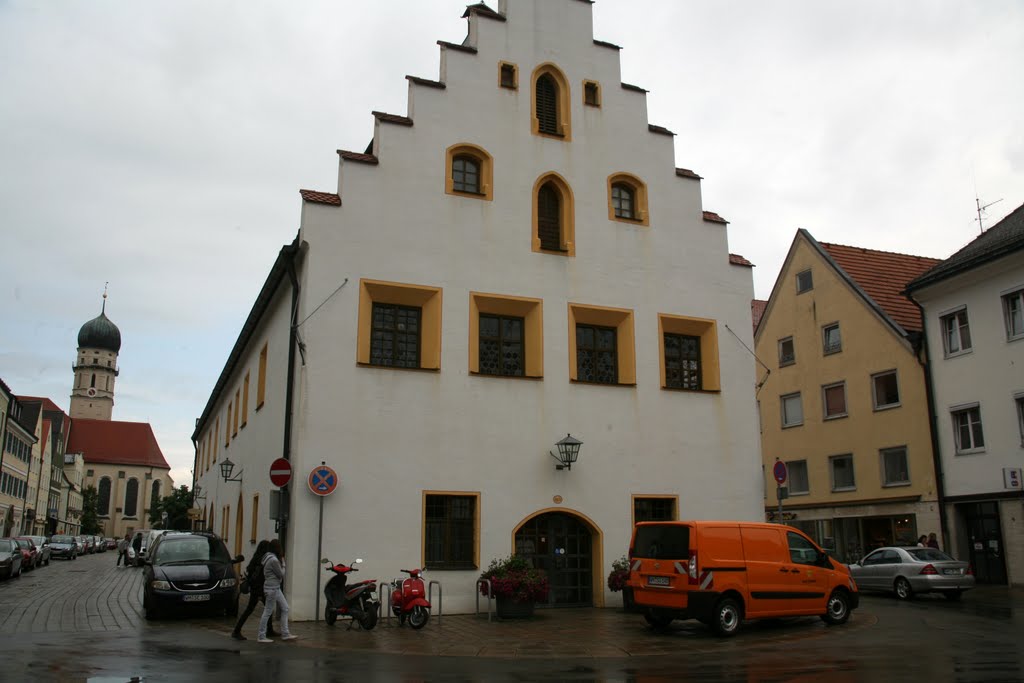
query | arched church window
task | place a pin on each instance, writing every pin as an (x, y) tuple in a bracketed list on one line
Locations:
[(103, 508), (93, 382), (131, 498), (155, 496)]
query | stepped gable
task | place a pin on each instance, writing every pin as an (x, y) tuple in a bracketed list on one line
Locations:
[(116, 443), (883, 275)]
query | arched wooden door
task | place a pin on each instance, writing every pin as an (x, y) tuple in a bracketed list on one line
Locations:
[(562, 545)]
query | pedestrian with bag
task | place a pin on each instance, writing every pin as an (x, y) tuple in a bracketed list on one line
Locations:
[(253, 584), (273, 584), (122, 550)]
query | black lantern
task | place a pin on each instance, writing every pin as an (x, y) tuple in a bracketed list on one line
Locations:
[(226, 468), (198, 494), (568, 451)]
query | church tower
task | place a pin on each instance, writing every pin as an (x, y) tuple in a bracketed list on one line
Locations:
[(95, 368)]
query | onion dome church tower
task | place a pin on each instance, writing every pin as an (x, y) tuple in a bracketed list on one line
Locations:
[(95, 368)]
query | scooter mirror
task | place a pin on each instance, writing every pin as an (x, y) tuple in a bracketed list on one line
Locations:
[(325, 561), (359, 560)]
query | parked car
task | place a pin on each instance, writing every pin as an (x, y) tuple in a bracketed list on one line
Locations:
[(99, 545), (44, 548), (140, 545), (111, 543), (29, 552), (62, 545), (907, 571), (79, 544), (190, 569), (10, 558)]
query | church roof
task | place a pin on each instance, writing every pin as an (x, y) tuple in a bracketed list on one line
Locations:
[(100, 333), (106, 442)]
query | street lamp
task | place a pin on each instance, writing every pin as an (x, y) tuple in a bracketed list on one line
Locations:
[(226, 468), (198, 494), (568, 451)]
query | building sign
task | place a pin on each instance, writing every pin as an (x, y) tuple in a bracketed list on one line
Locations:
[(1012, 478), (786, 516)]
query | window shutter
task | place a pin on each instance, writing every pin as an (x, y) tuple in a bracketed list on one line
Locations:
[(549, 228), (547, 105)]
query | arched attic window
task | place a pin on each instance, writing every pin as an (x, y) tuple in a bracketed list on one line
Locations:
[(627, 199), (551, 103), (469, 172), (553, 216)]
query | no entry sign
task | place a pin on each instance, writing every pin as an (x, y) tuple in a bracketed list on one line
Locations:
[(323, 480), (280, 472)]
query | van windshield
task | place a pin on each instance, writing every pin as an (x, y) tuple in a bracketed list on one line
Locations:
[(662, 542)]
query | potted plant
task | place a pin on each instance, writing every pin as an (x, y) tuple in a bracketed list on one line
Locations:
[(516, 586), (617, 581)]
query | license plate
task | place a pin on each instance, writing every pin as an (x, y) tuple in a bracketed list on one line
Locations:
[(198, 597), (659, 581), (951, 571)]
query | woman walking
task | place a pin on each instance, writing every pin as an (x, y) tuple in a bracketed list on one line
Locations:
[(273, 583), (254, 577)]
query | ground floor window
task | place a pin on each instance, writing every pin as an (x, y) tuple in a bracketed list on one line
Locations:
[(450, 531)]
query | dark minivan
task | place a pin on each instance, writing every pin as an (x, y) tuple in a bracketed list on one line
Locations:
[(185, 570)]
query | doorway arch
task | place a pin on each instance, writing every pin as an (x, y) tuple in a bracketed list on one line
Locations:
[(569, 547)]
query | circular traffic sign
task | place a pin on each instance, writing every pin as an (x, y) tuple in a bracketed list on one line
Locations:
[(780, 472), (280, 472), (323, 480)]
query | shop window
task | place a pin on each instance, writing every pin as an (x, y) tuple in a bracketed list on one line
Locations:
[(469, 172)]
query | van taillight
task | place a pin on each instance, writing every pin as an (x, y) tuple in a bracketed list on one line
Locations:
[(692, 569), (929, 570)]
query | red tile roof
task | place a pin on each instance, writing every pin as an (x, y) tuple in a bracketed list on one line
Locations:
[(392, 118), (320, 197), (116, 443), (737, 260), (714, 218), (424, 81), (660, 130), (356, 156), (883, 275), (687, 173), (757, 307), (48, 405)]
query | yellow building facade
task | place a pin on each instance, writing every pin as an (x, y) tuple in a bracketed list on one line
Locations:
[(844, 401)]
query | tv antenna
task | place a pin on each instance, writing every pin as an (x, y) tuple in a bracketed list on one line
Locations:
[(981, 209)]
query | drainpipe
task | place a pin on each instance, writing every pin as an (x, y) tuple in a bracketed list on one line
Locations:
[(921, 344), (289, 400)]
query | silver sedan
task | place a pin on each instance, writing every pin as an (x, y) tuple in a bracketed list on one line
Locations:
[(906, 571)]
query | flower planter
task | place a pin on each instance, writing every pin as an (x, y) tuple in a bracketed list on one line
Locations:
[(513, 609)]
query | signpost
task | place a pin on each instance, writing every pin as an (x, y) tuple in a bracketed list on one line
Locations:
[(322, 481), (780, 472)]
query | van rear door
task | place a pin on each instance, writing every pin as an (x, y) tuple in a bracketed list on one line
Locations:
[(659, 559)]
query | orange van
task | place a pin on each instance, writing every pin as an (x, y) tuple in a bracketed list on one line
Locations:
[(721, 573)]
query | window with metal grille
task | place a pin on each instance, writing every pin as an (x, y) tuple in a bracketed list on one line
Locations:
[(502, 346), (395, 336), (549, 217), (654, 509), (547, 105), (596, 354), (623, 201), (449, 533), (682, 361), (466, 174)]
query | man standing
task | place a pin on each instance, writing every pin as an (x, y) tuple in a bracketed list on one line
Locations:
[(122, 550), (933, 542)]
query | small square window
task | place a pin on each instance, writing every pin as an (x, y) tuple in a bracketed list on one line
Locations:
[(1013, 310), (967, 429), (654, 509), (832, 342), (591, 94), (842, 472), (508, 76), (797, 477), (804, 282), (787, 352), (792, 410), (895, 470), (885, 390), (834, 400), (956, 333)]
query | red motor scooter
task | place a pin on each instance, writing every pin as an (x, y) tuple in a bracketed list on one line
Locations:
[(408, 599), (358, 601)]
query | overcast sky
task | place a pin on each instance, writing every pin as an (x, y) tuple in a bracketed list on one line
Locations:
[(160, 146)]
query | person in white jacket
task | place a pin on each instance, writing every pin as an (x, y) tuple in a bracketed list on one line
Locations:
[(273, 583)]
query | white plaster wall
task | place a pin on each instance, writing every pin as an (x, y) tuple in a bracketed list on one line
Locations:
[(991, 374)]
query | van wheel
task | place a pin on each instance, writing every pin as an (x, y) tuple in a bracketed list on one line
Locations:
[(903, 589), (837, 611), (657, 619), (727, 617)]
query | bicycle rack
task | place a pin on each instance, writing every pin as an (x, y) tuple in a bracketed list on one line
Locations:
[(384, 598), (440, 598), (490, 594)]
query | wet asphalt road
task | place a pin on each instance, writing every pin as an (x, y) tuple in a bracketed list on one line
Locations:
[(81, 621)]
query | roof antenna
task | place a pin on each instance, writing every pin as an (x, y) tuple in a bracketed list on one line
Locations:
[(981, 225)]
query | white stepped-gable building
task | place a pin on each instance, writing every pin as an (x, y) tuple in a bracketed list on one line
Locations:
[(516, 259)]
